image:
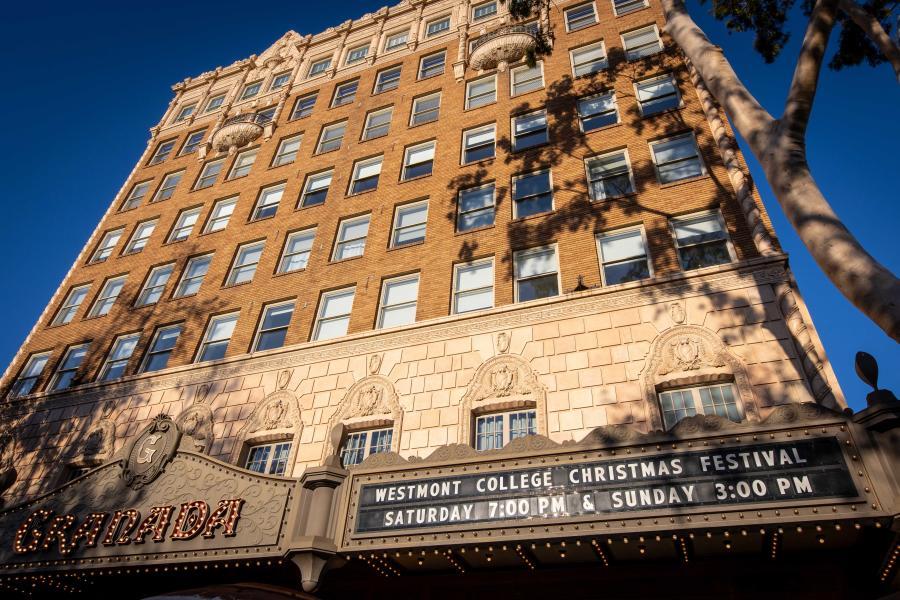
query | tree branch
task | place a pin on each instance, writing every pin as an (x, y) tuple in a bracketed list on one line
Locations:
[(750, 119), (798, 105), (871, 26)]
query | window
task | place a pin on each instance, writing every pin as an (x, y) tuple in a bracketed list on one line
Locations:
[(162, 152), (242, 164), (267, 205), (657, 94), (297, 248), (287, 151), (580, 16), (351, 239), (333, 317), (269, 459), (713, 400), (437, 26), (68, 366), (184, 225), (532, 194), (378, 123), (119, 355), (316, 189), (134, 199), (481, 91), (357, 54), (107, 244), (193, 275), (473, 286), (29, 375), (215, 102), (319, 67), (609, 175), (345, 93), (168, 185), (677, 158), (484, 10), (425, 109), (701, 241), (409, 224), (251, 89), (155, 285), (496, 430), (623, 256), (597, 111), (332, 137), (418, 161), (303, 107), (588, 59), (142, 233), (70, 305), (476, 208), (192, 142), (185, 112), (641, 43), (478, 144), (623, 7), (246, 260), (279, 81), (209, 174), (273, 326), (215, 340), (107, 297), (365, 175), (359, 445), (530, 130), (388, 79), (537, 274), (396, 40), (161, 348), (432, 65), (221, 213), (526, 79)]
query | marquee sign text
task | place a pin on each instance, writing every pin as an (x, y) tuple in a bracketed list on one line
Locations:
[(813, 468)]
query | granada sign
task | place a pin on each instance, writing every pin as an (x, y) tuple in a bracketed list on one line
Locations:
[(749, 474)]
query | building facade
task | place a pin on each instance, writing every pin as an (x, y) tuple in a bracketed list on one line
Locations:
[(395, 243)]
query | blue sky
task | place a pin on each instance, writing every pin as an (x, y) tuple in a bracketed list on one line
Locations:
[(86, 80)]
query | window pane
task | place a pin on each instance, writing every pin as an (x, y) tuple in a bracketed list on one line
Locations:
[(536, 263), (609, 176), (589, 59)]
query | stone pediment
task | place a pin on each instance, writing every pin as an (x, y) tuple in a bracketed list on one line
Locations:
[(503, 377)]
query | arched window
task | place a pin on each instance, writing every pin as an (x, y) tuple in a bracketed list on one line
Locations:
[(268, 441), (371, 416)]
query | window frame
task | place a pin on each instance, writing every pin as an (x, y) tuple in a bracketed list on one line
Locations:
[(276, 77), (581, 117), (516, 136), (470, 83), (368, 446), (644, 4), (270, 459), (307, 232), (388, 46), (184, 279), (356, 180), (213, 217), (15, 389), (134, 240), (697, 401), (190, 107), (308, 182), (153, 351), (103, 246), (406, 165), (53, 384), (660, 45), (317, 323), (278, 159), (421, 74), (596, 18), (379, 84), (315, 71), (436, 20), (515, 201), (204, 175), (466, 148), (587, 48), (656, 142), (474, 11), (396, 228), (179, 225), (141, 300), (382, 298), (351, 60), (206, 342), (104, 296), (167, 188), (314, 96), (189, 147), (136, 195), (68, 307), (163, 151), (620, 233), (524, 67), (413, 113), (338, 242), (506, 434), (723, 226), (590, 181), (339, 98), (492, 207), (368, 127), (457, 293), (246, 94), (239, 167), (261, 330), (536, 250), (262, 205), (109, 361), (237, 268), (328, 128), (670, 76), (209, 107)]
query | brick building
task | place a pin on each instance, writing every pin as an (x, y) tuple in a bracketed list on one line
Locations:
[(399, 231)]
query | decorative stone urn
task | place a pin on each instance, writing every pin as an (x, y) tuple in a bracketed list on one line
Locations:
[(238, 131), (502, 46)]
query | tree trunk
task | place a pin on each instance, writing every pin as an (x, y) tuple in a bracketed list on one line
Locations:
[(872, 28), (781, 151)]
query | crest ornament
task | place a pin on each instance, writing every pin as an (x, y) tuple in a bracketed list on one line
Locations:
[(150, 452), (369, 401), (196, 423), (503, 380), (676, 313), (284, 378), (273, 414), (688, 353), (374, 364), (503, 342)]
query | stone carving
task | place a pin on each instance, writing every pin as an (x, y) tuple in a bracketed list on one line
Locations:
[(284, 378), (676, 312), (703, 424), (149, 453), (8, 473), (505, 381), (612, 435), (503, 342), (374, 364), (196, 423), (688, 353), (813, 367), (793, 413), (95, 447), (382, 459), (692, 354), (452, 452), (372, 398), (276, 417)]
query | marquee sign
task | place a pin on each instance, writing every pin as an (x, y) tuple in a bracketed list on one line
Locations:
[(746, 474), (154, 503)]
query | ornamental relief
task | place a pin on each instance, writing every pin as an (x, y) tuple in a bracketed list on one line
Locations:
[(195, 422), (688, 353), (95, 446), (277, 411), (371, 400)]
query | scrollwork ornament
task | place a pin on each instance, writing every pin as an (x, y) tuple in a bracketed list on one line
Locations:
[(150, 452)]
